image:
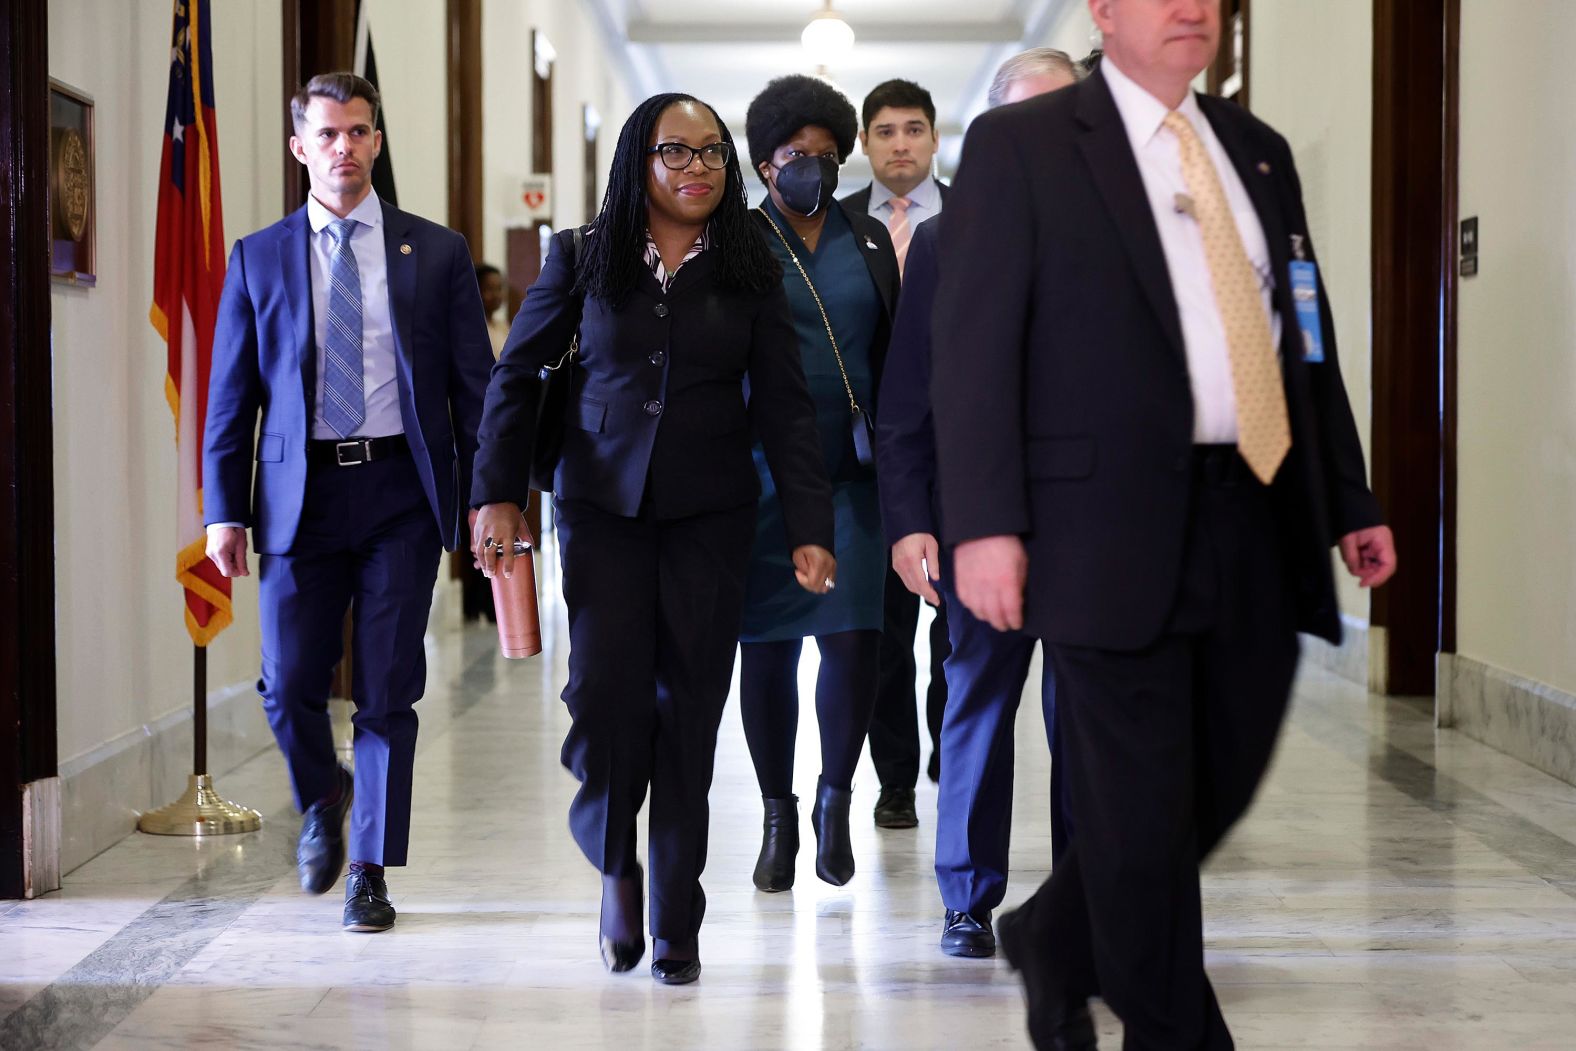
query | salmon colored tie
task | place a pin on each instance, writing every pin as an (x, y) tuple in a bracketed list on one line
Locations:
[(897, 223), (1263, 433)]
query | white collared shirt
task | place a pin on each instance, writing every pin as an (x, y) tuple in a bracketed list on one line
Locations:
[(1160, 163), (924, 201), (380, 383)]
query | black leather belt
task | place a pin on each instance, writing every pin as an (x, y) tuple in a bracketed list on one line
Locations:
[(1220, 465), (352, 452)]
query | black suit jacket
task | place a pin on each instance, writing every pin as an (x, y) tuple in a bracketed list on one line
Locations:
[(1062, 403), (880, 258), (859, 200), (658, 412), (905, 433)]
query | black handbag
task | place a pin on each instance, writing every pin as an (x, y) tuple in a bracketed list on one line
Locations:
[(554, 382), (862, 428)]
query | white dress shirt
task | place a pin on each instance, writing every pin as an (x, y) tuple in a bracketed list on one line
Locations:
[(924, 202), (380, 384), (1160, 164)]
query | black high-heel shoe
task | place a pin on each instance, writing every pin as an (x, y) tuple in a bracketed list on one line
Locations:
[(779, 845), (834, 846), (618, 955)]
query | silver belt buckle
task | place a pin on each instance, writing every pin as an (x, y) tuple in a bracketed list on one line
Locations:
[(359, 443)]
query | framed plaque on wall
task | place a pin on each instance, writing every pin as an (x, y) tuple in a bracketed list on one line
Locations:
[(72, 217)]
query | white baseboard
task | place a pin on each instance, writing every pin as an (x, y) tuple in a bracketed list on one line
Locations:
[(41, 837), (1529, 720), (1349, 660), (105, 790)]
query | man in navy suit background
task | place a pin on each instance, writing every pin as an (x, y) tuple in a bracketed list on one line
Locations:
[(357, 331), (985, 669)]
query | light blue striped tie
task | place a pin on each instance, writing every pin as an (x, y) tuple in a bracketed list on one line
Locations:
[(344, 402)]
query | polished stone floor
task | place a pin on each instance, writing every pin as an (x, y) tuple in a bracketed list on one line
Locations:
[(1393, 888)]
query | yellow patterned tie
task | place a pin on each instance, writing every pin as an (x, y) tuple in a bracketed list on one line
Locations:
[(1263, 434)]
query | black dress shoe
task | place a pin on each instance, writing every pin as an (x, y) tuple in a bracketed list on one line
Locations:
[(967, 934), (779, 845), (367, 905), (320, 850), (1056, 1021), (834, 846), (675, 972), (895, 808), (618, 954)]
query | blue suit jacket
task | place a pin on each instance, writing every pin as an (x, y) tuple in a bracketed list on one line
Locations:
[(265, 359), (905, 435)]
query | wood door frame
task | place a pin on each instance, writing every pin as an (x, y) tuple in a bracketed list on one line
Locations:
[(28, 743), (1416, 118)]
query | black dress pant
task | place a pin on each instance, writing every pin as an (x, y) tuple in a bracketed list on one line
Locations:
[(1165, 748), (894, 726), (654, 614)]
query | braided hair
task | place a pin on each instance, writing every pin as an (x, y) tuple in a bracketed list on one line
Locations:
[(612, 261)]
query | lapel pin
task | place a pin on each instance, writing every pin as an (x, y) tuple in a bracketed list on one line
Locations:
[(1264, 167), (404, 249), (870, 244)]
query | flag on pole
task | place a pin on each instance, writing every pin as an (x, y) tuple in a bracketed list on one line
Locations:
[(188, 274)]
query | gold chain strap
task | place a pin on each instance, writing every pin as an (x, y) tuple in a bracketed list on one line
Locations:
[(853, 406)]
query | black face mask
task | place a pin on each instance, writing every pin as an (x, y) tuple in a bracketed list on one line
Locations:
[(806, 184)]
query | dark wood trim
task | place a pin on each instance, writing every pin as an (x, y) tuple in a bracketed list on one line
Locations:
[(27, 520), (1224, 65), (1413, 237), (541, 116), (1448, 312), (319, 37), (465, 121), (290, 79)]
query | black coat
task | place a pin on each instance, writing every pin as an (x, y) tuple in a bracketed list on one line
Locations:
[(1062, 403), (657, 411)]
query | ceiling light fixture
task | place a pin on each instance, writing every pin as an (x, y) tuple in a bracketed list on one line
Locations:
[(828, 37)]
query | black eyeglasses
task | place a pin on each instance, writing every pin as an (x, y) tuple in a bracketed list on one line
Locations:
[(677, 156)]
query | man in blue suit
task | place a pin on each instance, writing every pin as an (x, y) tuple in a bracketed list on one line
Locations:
[(357, 331), (986, 669)]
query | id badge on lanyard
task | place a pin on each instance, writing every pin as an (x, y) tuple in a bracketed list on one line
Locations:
[(1305, 298)]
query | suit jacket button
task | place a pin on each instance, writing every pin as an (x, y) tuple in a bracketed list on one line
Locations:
[(658, 357), (661, 310), (653, 407)]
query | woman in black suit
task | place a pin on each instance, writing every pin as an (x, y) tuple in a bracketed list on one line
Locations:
[(679, 305)]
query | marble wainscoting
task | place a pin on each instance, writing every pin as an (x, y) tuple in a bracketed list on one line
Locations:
[(1530, 720), (1349, 660), (104, 791)]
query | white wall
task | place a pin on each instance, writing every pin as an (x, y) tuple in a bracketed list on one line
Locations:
[(409, 39), (124, 655), (1311, 78), (582, 74), (1516, 378)]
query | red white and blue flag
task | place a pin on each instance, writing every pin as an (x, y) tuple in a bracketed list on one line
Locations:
[(188, 274)]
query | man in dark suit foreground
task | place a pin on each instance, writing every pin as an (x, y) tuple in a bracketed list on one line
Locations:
[(357, 331), (1145, 450), (985, 669)]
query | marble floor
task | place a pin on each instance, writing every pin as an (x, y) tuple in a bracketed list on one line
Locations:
[(1394, 887)]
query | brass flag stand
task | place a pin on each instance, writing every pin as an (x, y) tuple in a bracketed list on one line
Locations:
[(201, 811)]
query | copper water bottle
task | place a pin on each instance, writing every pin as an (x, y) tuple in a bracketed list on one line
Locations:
[(514, 600)]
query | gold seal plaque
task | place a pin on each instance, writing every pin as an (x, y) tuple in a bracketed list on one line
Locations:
[(71, 166), (72, 186)]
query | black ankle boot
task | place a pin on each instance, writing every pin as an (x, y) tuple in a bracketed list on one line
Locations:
[(834, 848), (779, 845)]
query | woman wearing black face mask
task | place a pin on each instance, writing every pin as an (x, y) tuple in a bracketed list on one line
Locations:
[(841, 277)]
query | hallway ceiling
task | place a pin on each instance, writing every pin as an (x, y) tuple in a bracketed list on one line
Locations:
[(724, 51)]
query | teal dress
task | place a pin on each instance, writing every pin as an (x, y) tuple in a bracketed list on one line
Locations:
[(776, 608)]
